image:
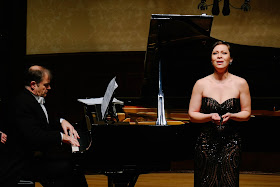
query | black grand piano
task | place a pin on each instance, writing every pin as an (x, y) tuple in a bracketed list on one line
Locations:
[(178, 53)]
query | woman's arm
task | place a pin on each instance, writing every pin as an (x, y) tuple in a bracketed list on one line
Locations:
[(245, 102), (195, 103)]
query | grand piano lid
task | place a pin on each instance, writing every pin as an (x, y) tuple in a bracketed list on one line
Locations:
[(183, 44), (170, 37), (171, 28)]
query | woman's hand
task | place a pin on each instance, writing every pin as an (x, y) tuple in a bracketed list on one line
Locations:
[(216, 118), (226, 117)]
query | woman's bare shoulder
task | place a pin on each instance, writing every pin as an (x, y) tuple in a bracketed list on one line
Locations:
[(204, 80), (202, 83), (239, 80)]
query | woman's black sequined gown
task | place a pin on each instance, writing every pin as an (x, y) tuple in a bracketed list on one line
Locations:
[(217, 150)]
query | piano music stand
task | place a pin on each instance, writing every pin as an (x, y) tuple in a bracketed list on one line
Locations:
[(111, 111)]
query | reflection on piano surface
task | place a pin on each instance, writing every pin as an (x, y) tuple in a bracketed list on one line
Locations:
[(123, 151)]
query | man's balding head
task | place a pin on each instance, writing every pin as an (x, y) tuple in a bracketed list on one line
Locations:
[(37, 80), (36, 73)]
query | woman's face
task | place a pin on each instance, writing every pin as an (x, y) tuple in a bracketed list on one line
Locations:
[(221, 56)]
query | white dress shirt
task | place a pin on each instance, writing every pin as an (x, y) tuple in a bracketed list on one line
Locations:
[(41, 101)]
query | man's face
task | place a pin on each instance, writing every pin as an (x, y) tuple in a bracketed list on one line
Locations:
[(41, 89)]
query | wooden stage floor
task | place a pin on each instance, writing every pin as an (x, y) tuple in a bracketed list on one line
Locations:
[(186, 180)]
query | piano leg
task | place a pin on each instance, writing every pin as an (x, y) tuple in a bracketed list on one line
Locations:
[(122, 180)]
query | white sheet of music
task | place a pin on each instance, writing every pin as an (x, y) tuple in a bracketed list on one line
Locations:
[(92, 101), (96, 101), (108, 95)]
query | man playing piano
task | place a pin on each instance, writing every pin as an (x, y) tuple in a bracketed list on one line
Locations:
[(36, 143)]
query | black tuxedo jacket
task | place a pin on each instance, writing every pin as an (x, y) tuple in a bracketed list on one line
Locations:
[(29, 124), (28, 134), (33, 146)]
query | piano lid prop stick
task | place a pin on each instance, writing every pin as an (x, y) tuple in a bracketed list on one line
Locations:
[(161, 120)]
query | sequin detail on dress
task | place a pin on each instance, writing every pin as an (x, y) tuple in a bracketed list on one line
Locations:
[(217, 152)]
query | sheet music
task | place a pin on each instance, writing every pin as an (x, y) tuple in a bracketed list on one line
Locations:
[(96, 101), (92, 101), (108, 95), (104, 101)]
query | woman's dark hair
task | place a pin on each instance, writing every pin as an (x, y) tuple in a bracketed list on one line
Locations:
[(222, 42)]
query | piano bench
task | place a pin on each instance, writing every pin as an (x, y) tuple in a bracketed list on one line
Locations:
[(25, 183)]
